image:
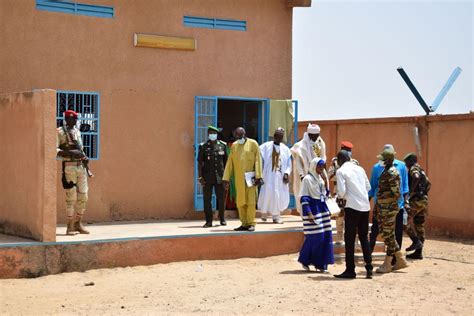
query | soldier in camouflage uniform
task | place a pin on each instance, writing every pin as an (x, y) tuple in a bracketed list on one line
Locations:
[(70, 150), (419, 187), (387, 210), (212, 157)]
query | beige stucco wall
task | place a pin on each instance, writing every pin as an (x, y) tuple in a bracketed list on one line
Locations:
[(147, 95), (28, 166), (446, 151)]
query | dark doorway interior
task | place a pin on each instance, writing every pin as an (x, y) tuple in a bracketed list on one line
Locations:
[(234, 113)]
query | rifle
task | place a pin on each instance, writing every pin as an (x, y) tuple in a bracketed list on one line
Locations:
[(66, 147)]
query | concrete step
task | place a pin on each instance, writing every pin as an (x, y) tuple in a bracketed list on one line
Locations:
[(376, 256)]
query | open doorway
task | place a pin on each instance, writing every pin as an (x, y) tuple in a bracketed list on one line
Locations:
[(232, 113)]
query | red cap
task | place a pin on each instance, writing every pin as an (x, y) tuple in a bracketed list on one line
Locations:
[(347, 144), (70, 113)]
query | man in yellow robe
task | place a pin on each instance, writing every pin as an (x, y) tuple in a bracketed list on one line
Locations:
[(244, 158)]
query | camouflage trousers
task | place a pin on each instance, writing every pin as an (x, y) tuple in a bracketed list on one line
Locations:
[(76, 197), (387, 217), (416, 218)]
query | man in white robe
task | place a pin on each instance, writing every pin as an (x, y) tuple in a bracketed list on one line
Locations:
[(274, 195), (311, 146)]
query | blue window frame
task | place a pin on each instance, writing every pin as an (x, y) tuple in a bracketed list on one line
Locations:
[(212, 23), (87, 104), (75, 8)]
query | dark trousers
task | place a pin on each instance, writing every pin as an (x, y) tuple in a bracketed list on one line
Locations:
[(356, 222), (374, 232), (207, 190)]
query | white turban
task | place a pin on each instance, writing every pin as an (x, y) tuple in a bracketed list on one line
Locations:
[(313, 129)]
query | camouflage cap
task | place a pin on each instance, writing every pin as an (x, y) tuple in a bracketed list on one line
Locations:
[(409, 155), (386, 154)]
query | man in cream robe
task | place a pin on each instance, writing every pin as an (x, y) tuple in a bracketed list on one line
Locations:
[(244, 157), (274, 195), (311, 146)]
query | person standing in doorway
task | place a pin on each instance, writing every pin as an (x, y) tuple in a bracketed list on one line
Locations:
[(71, 151), (346, 146), (303, 152), (274, 195), (212, 157), (353, 187), (388, 194), (244, 164), (419, 188)]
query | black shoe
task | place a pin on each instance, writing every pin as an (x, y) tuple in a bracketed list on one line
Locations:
[(207, 225), (251, 228), (369, 268), (241, 228), (223, 222), (346, 275), (417, 244), (418, 255)]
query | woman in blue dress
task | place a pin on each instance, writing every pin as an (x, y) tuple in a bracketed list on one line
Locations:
[(317, 248)]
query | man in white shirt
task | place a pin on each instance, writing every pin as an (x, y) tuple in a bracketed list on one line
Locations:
[(353, 186)]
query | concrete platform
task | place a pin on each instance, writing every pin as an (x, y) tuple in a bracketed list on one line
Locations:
[(121, 244)]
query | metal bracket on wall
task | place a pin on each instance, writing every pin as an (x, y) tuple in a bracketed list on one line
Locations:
[(439, 98)]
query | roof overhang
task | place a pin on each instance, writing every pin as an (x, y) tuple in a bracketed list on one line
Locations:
[(298, 3)]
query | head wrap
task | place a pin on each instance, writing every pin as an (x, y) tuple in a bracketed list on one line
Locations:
[(313, 129), (313, 185)]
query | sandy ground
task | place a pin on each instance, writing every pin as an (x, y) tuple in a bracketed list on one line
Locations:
[(442, 283)]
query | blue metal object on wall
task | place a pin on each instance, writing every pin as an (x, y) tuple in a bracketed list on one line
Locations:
[(212, 23), (205, 113), (87, 104), (454, 75), (75, 8), (292, 203)]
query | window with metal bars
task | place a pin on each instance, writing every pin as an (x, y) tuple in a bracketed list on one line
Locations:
[(63, 6), (87, 105), (213, 23)]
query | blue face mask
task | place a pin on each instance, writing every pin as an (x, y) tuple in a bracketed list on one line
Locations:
[(213, 137), (241, 141)]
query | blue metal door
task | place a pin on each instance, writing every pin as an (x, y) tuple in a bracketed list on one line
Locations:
[(205, 113), (291, 143)]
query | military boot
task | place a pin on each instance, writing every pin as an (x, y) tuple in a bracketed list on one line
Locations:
[(386, 266), (416, 244), (79, 227), (401, 263), (416, 255), (70, 229)]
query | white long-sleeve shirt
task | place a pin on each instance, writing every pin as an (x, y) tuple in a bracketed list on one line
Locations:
[(353, 186)]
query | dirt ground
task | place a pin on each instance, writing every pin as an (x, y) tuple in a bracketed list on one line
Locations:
[(442, 283)]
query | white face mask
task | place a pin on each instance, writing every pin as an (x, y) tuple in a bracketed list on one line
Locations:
[(241, 141), (213, 137), (381, 163)]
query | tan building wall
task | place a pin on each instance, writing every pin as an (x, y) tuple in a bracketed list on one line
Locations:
[(446, 154), (147, 95), (28, 166)]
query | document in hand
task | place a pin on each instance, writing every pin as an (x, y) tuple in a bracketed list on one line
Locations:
[(249, 178)]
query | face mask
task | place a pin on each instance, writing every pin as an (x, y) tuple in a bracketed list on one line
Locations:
[(350, 154), (381, 163), (212, 137), (241, 141)]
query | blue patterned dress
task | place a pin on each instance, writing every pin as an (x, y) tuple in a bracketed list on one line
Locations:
[(317, 248)]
